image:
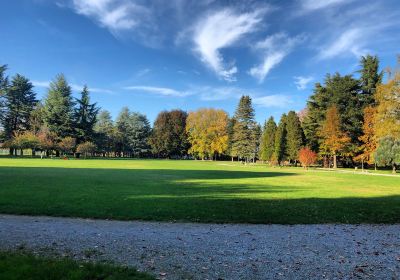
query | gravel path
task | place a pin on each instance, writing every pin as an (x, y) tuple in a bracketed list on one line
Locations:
[(209, 251)]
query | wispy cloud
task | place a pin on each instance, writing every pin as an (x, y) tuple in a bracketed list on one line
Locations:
[(350, 41), (158, 90), (276, 100), (220, 30), (313, 5), (302, 82), (115, 15), (274, 49), (75, 87), (143, 72)]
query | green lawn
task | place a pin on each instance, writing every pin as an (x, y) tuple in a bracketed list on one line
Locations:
[(16, 266), (194, 191)]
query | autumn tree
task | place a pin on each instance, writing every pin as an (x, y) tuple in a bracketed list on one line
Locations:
[(67, 145), (307, 157), (268, 140), (207, 132), (294, 136), (86, 148), (368, 138), (334, 139)]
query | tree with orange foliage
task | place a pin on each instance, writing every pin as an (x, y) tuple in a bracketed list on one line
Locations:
[(307, 157), (334, 139), (207, 132), (368, 138)]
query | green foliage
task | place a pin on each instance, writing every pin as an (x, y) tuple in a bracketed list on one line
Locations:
[(85, 117), (106, 133), (168, 137), (3, 90), (20, 100), (370, 78), (388, 152), (267, 146), (244, 135), (67, 145), (19, 266), (58, 107), (280, 140), (294, 136), (86, 148)]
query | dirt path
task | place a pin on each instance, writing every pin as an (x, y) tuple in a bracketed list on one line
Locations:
[(208, 251)]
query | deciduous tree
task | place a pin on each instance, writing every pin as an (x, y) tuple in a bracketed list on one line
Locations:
[(307, 157), (388, 152)]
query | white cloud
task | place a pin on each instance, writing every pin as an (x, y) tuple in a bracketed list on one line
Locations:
[(143, 72), (274, 49), (75, 87), (276, 100), (313, 5), (302, 82), (220, 30), (350, 41), (158, 90), (115, 15)]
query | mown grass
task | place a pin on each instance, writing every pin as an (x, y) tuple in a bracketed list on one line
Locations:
[(22, 266), (196, 191)]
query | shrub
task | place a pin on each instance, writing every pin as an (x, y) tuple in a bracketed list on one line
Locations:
[(307, 157)]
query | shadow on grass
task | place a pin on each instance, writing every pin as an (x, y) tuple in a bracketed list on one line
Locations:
[(181, 195)]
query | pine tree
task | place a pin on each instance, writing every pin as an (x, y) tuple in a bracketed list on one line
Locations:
[(3, 90), (280, 140), (20, 100), (243, 135), (294, 136), (138, 134), (268, 140), (123, 129), (85, 117), (370, 78), (105, 133), (58, 108)]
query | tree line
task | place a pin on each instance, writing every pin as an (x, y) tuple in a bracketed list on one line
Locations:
[(347, 121)]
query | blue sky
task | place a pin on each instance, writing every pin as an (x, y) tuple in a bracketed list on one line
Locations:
[(188, 54)]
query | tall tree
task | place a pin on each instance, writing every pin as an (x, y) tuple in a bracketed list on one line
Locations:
[(387, 116), (230, 130), (123, 130), (334, 139), (388, 152), (3, 90), (370, 78), (85, 117), (243, 135), (267, 146), (280, 141), (294, 136), (207, 132), (20, 101), (105, 133), (368, 138), (58, 107), (138, 134), (169, 138)]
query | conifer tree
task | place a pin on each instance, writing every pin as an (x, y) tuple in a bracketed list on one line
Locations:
[(58, 108), (85, 117), (105, 132), (280, 140), (267, 146), (370, 78), (20, 100), (294, 136), (243, 131)]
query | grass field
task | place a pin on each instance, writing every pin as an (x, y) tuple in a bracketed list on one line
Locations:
[(18, 266), (194, 191)]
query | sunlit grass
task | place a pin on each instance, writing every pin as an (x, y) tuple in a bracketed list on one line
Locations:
[(194, 191)]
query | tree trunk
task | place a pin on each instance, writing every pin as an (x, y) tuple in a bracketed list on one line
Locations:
[(325, 162), (394, 168), (11, 151), (22, 152), (334, 161)]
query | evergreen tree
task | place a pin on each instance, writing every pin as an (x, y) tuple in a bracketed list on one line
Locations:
[(123, 129), (138, 134), (105, 133), (268, 140), (58, 108), (294, 136), (243, 135), (3, 90), (85, 117), (280, 140), (230, 130), (20, 101), (370, 78)]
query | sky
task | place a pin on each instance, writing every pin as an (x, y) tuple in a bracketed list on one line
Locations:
[(189, 54)]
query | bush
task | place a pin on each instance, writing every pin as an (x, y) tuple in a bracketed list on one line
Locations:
[(67, 145), (86, 148), (307, 157)]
